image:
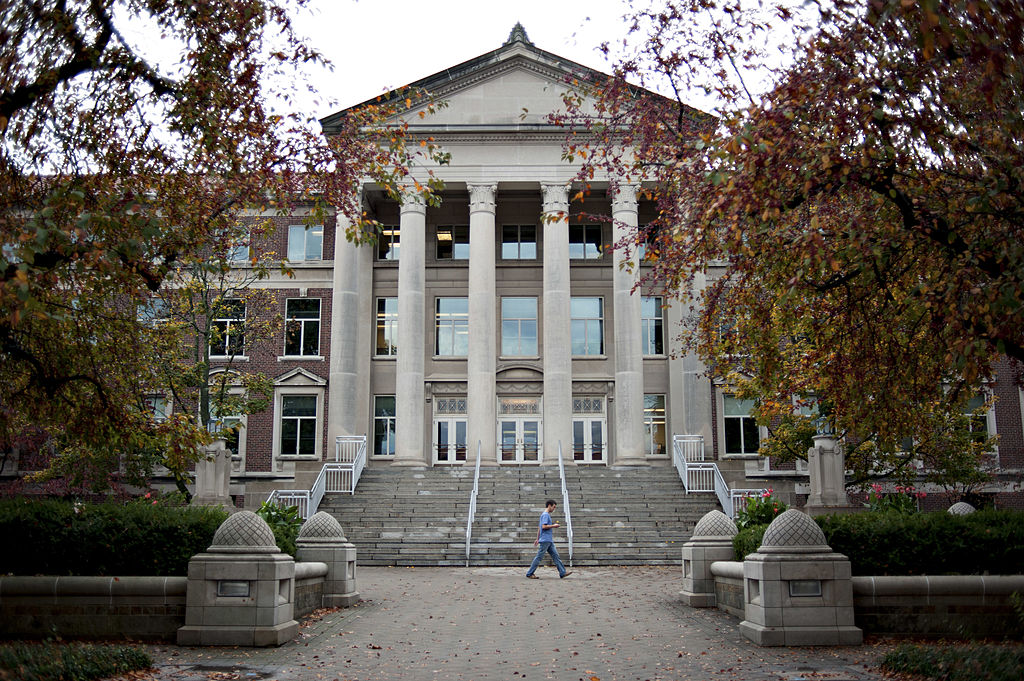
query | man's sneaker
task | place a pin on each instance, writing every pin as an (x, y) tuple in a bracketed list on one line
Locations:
[(532, 577), (567, 573)]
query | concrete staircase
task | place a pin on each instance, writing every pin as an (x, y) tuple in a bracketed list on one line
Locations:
[(417, 516)]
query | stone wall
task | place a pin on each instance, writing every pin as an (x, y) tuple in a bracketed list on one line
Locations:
[(729, 586), (309, 587), (960, 606), (137, 608)]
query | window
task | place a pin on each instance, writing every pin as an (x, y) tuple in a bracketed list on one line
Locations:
[(655, 440), (384, 425), (588, 429), (584, 242), (977, 421), (519, 242), (649, 247), (298, 425), (305, 242), (302, 326), (153, 311), (387, 327), (741, 432), (519, 327), (239, 251), (227, 337), (387, 243), (158, 407), (453, 243), (652, 325), (587, 326), (452, 327), (229, 427)]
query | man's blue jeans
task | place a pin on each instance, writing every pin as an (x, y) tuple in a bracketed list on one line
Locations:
[(546, 547)]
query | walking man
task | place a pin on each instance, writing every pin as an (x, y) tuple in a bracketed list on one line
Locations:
[(546, 543)]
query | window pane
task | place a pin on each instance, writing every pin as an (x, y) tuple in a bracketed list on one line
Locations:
[(733, 437), (296, 242), (751, 438), (315, 242), (578, 330), (384, 406), (307, 436), (289, 436), (304, 308), (387, 326), (445, 243), (585, 307), (311, 338), (528, 338), (734, 407), (293, 338), (298, 405)]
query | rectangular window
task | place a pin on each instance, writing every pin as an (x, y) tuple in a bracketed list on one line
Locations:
[(298, 425), (388, 239), (652, 325), (977, 422), (587, 325), (302, 326), (227, 332), (519, 242), (153, 312), (305, 242), (453, 243), (519, 327), (387, 327), (741, 433), (158, 407), (384, 425), (584, 242), (239, 251), (655, 440), (452, 327)]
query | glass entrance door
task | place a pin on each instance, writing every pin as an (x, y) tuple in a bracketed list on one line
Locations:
[(519, 440), (588, 439), (449, 440)]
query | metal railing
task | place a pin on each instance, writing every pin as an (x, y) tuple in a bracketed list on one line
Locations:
[(472, 502), (565, 502), (340, 476), (704, 476)]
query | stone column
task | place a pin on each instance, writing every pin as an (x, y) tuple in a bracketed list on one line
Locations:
[(557, 329), (409, 392), (482, 362), (351, 326), (827, 475), (629, 360), (691, 408)]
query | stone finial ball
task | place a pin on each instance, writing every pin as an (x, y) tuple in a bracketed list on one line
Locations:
[(961, 508), (243, 530), (793, 529), (321, 526), (715, 524)]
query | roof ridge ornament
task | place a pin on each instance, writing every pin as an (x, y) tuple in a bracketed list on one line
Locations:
[(518, 34)]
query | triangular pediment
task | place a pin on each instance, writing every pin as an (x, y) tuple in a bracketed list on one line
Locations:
[(299, 377)]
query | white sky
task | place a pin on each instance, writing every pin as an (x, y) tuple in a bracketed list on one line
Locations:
[(377, 45)]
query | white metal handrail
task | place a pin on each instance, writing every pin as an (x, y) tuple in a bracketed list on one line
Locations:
[(704, 476), (472, 502), (565, 502), (342, 475)]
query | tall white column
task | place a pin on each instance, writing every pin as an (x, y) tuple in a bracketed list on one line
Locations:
[(482, 362), (557, 328), (629, 358), (351, 325), (409, 392)]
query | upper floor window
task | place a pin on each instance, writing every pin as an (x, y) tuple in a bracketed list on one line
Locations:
[(388, 238), (305, 242), (584, 242), (519, 242), (452, 327), (741, 432), (227, 337), (587, 326), (158, 407), (387, 326), (519, 327), (652, 325), (302, 326), (977, 420), (239, 250), (453, 243), (153, 311)]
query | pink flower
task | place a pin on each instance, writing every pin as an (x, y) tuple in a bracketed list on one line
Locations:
[(154, 502), (148, 495)]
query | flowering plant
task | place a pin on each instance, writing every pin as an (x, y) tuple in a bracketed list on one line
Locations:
[(904, 500), (760, 510)]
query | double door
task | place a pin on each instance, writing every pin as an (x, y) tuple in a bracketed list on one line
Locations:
[(519, 439)]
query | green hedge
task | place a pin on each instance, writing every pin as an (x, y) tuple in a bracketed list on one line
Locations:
[(960, 663), (60, 538), (918, 543), (49, 662)]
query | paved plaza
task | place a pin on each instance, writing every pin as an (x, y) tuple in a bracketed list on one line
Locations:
[(492, 623)]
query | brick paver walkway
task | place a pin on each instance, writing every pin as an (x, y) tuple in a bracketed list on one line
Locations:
[(491, 623)]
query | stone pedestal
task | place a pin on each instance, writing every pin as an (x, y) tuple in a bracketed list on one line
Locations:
[(796, 590), (321, 539), (213, 475), (241, 592), (827, 477), (711, 541)]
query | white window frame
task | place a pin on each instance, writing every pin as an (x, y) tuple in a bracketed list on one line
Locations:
[(452, 321), (307, 254), (303, 322), (298, 381), (762, 433), (238, 458), (652, 326), (650, 422), (388, 322), (575, 246), (586, 337), (389, 236), (519, 242), (519, 326), (224, 343), (387, 420), (160, 407)]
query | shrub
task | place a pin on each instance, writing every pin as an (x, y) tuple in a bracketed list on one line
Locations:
[(748, 540), (49, 662), (285, 522), (760, 510), (959, 663), (64, 538), (903, 500)]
